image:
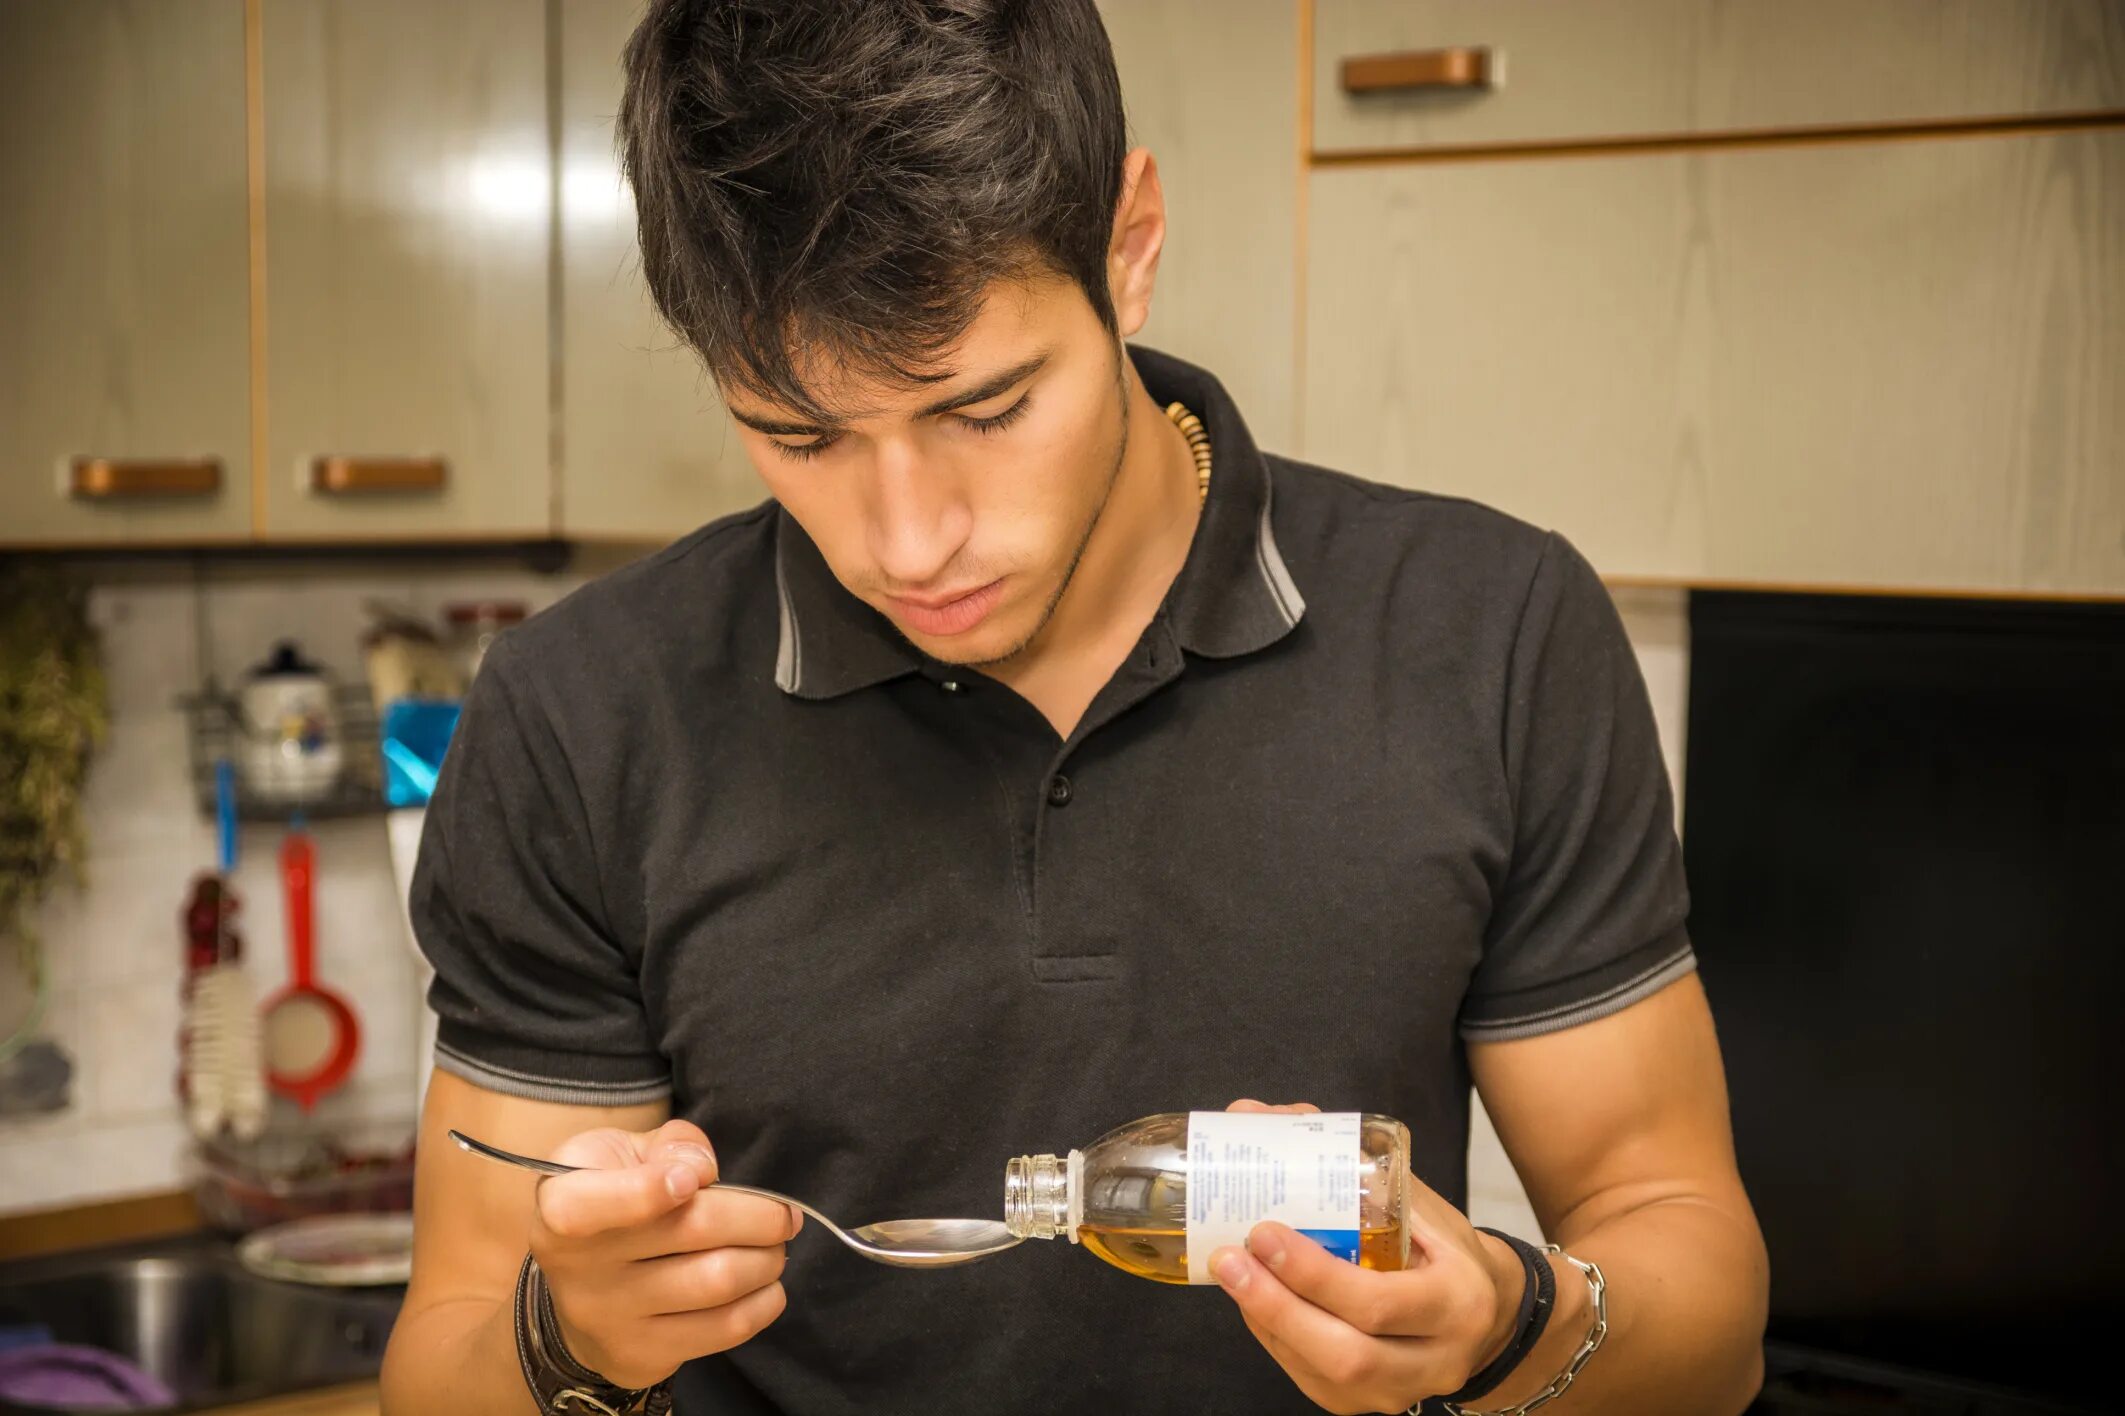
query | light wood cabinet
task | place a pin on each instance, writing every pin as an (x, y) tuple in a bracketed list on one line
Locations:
[(1868, 364), (409, 203), (647, 451), (123, 271), (1215, 98), (1637, 68)]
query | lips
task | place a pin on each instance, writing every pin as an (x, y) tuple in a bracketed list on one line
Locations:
[(944, 617)]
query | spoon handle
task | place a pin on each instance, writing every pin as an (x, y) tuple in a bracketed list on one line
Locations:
[(789, 1200), (522, 1162), (554, 1167)]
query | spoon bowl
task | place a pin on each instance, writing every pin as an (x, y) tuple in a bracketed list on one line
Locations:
[(902, 1243)]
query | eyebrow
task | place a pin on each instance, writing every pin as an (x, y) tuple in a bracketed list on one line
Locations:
[(988, 388)]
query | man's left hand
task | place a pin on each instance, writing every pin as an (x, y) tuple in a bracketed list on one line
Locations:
[(1358, 1340)]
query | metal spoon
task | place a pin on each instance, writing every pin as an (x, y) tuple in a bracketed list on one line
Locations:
[(904, 1243)]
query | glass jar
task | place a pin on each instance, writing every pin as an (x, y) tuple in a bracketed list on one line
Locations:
[(473, 626), (1157, 1196)]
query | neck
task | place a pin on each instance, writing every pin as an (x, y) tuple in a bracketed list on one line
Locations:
[(1129, 562)]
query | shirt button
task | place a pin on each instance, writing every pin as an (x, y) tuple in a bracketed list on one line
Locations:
[(1059, 791), (950, 685)]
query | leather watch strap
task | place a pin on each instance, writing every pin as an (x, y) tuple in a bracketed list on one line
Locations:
[(559, 1383)]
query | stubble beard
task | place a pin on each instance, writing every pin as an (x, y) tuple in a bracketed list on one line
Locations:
[(1099, 511)]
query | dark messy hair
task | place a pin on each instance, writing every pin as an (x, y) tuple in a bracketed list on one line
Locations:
[(845, 177)]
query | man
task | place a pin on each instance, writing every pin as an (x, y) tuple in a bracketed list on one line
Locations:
[(1002, 780)]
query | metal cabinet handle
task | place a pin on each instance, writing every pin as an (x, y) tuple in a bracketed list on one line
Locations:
[(107, 479), (357, 476), (1477, 67)]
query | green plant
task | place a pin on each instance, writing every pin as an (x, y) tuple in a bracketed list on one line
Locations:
[(52, 714)]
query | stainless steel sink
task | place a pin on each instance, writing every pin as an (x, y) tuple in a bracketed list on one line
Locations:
[(187, 1312)]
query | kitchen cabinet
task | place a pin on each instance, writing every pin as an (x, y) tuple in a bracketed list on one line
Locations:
[(647, 451), (1887, 364), (408, 210), (1654, 68), (124, 396), (1215, 98)]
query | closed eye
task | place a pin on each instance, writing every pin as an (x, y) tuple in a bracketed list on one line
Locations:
[(803, 452), (996, 423), (1000, 421)]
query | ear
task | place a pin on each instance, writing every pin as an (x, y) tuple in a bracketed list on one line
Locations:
[(1139, 235)]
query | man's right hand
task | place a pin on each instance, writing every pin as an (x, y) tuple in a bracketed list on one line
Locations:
[(648, 1263)]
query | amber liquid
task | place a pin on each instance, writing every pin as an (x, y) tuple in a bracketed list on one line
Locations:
[(1162, 1254)]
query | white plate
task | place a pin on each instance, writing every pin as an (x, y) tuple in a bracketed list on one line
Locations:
[(337, 1250)]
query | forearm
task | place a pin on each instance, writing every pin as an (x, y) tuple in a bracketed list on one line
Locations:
[(1687, 1286), (456, 1355)]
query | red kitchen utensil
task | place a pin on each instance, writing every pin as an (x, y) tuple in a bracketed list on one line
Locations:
[(312, 1037)]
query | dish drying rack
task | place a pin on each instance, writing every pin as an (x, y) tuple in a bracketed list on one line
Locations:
[(214, 730)]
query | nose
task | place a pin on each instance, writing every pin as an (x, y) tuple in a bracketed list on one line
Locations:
[(919, 519)]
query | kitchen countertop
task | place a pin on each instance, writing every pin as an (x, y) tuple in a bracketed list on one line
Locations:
[(356, 1399)]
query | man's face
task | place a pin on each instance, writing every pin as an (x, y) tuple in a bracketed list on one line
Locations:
[(963, 523)]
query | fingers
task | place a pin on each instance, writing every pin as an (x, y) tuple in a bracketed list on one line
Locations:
[(1405, 1304), (1294, 1108), (699, 1333), (588, 1203), (625, 1179), (682, 1142), (716, 1278), (606, 1148), (712, 1219), (1338, 1367), (1278, 1312), (657, 1344)]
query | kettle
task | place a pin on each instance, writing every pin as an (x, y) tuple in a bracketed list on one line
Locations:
[(292, 752)]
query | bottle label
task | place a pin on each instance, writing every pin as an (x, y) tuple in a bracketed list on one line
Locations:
[(1245, 1167)]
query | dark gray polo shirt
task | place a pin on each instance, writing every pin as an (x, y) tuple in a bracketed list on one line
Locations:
[(1379, 779)]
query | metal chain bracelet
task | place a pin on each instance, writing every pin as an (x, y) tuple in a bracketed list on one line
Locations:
[(1598, 1289)]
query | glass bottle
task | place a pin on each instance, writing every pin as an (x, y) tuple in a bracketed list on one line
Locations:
[(1157, 1196)]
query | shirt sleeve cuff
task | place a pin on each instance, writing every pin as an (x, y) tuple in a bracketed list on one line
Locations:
[(513, 1079), (1549, 1008)]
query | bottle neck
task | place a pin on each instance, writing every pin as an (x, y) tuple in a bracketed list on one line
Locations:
[(1041, 1196)]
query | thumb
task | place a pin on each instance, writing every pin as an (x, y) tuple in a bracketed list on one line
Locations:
[(625, 1179), (679, 1141)]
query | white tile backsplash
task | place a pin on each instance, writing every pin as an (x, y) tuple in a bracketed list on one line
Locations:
[(138, 798), (115, 951), (137, 1081)]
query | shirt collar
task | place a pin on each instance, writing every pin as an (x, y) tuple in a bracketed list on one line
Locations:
[(1233, 596)]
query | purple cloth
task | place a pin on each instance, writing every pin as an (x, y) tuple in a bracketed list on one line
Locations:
[(79, 1378)]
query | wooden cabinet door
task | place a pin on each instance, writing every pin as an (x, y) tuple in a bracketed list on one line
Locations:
[(647, 452), (1576, 72), (123, 272), (1867, 364), (409, 200), (1215, 98)]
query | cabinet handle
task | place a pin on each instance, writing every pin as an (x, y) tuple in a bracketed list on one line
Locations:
[(126, 478), (1479, 67), (354, 476)]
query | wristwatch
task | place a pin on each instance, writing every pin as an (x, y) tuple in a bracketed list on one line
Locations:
[(559, 1383)]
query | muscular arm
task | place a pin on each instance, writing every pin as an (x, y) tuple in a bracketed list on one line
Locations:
[(454, 1346), (1619, 1129)]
